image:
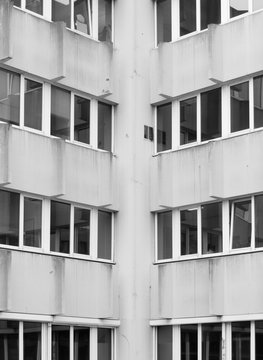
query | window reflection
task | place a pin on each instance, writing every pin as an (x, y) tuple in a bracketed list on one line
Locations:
[(105, 20), (35, 6), (33, 104), (188, 232), (259, 339), (211, 342), (164, 235), (258, 221), (164, 20), (61, 11), (239, 106), (210, 114), (187, 16), (104, 126), (164, 127), (17, 3), (32, 341), (32, 222), (60, 112), (9, 97), (211, 228), (60, 342), (164, 343), (241, 213), (82, 120), (210, 12), (81, 343), (81, 231), (9, 340), (238, 7), (9, 218), (188, 342), (104, 344), (59, 227), (188, 121), (104, 234), (258, 101), (82, 16), (241, 340)]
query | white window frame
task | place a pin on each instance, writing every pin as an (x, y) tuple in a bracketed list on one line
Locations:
[(47, 5)]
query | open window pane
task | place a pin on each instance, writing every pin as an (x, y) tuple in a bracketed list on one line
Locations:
[(164, 21), (60, 223), (82, 120), (35, 5), (9, 340), (81, 343), (60, 342), (164, 343), (257, 5), (241, 340), (9, 97), (164, 127), (104, 344), (188, 342), (60, 112), (212, 342), (9, 218), (259, 339), (32, 222), (105, 20), (187, 16), (61, 11), (82, 16), (241, 224), (211, 114), (164, 224), (188, 232), (258, 100), (259, 221), (239, 106), (238, 7), (211, 228), (104, 234), (188, 121), (210, 12), (32, 341), (33, 104), (104, 126), (81, 231)]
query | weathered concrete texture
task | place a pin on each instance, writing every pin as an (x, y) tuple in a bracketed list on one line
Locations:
[(6, 8)]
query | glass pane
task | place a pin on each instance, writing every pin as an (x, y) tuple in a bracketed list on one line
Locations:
[(35, 5), (242, 224), (17, 3), (32, 341), (257, 5), (82, 16), (9, 218), (104, 235), (82, 120), (32, 222), (210, 12), (61, 11), (59, 232), (9, 340), (211, 342), (258, 221), (238, 7), (259, 339), (187, 16), (104, 126), (9, 97), (188, 232), (239, 106), (165, 235), (104, 344), (60, 112), (188, 121), (81, 344), (258, 100), (164, 343), (211, 114), (60, 342), (81, 231), (164, 127), (211, 228), (105, 20), (164, 21), (188, 342), (33, 104), (241, 340)]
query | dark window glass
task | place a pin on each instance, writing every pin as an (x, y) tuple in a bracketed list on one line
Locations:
[(239, 106), (17, 3), (165, 235), (164, 21), (104, 235), (211, 342), (9, 340), (187, 16), (211, 228), (32, 222), (81, 344), (32, 341), (104, 344), (210, 12), (60, 112), (238, 7), (241, 340), (259, 221), (164, 343), (60, 220), (188, 342), (35, 5), (257, 5), (211, 114), (9, 218), (259, 339), (82, 16), (188, 121), (105, 20), (82, 120), (61, 11), (60, 342), (241, 224), (33, 104), (188, 232), (258, 100), (9, 97), (81, 231), (104, 126), (164, 127)]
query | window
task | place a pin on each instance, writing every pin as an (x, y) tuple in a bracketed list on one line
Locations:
[(164, 342), (9, 340), (211, 228), (60, 342), (35, 6), (210, 114), (188, 121), (241, 340), (82, 120), (258, 101), (164, 127), (212, 341), (238, 7), (187, 16), (104, 235), (81, 231), (33, 104), (59, 227), (188, 342), (9, 218), (241, 224), (9, 97), (164, 225), (104, 344), (60, 112), (189, 232), (164, 21), (239, 106), (32, 222), (104, 126), (105, 20), (32, 340)]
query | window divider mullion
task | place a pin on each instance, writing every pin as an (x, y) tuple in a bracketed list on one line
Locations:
[(94, 24), (21, 220), (225, 12), (112, 235), (199, 231), (252, 341), (251, 105), (175, 125), (93, 343), (155, 131), (23, 4), (199, 342), (46, 109), (112, 129), (225, 226), (72, 26), (46, 224), (71, 343), (22, 101), (175, 20), (72, 117), (198, 15), (21, 341), (250, 6), (253, 222), (94, 123), (71, 230), (93, 233), (226, 111), (176, 342), (49, 341), (198, 118), (176, 234)]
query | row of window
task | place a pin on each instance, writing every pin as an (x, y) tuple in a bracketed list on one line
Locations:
[(29, 103), (91, 17), (177, 18), (26, 341), (34, 223), (210, 228), (211, 341), (210, 115)]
